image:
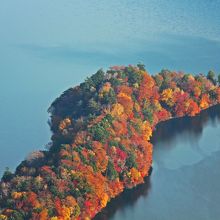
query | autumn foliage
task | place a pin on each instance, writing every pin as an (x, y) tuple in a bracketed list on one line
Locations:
[(101, 142)]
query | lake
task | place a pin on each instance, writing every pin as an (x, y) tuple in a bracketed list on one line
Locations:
[(184, 183), (48, 46)]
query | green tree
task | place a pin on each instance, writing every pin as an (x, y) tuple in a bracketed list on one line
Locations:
[(186, 77), (7, 176), (158, 79), (134, 77), (165, 84), (86, 86), (76, 211), (93, 82), (16, 216), (110, 97), (211, 76), (141, 66), (98, 77), (213, 95), (148, 115), (111, 172), (219, 79), (93, 106), (115, 82), (131, 161), (99, 131)]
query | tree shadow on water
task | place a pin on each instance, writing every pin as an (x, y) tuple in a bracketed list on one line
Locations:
[(165, 132), (126, 199)]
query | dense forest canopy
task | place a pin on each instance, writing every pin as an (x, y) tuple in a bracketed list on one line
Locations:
[(101, 141)]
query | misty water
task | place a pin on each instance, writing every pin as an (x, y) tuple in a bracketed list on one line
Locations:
[(48, 46)]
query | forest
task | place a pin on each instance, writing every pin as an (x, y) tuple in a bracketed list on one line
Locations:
[(101, 141)]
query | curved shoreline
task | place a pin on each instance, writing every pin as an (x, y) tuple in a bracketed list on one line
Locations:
[(101, 141), (143, 188)]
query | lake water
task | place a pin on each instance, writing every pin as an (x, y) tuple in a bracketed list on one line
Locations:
[(185, 180), (47, 46)]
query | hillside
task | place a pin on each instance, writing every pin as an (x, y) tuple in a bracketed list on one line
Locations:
[(100, 141)]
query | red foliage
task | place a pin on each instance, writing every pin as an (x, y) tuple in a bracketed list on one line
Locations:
[(97, 171)]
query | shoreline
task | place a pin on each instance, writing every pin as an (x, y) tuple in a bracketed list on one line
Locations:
[(147, 178), (102, 144)]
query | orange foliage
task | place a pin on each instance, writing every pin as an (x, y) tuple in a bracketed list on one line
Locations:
[(80, 137), (106, 87), (125, 89), (126, 102), (204, 103), (104, 200), (135, 174), (197, 91), (146, 131), (32, 199), (146, 88), (100, 156), (167, 97), (79, 175), (120, 127), (117, 110), (193, 108), (43, 214), (65, 123), (218, 94)]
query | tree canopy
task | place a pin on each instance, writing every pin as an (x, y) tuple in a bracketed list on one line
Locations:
[(100, 141)]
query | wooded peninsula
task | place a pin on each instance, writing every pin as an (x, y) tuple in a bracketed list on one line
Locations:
[(100, 142)]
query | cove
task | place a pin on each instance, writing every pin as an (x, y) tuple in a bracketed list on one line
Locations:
[(185, 178)]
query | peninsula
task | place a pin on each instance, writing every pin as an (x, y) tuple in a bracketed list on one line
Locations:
[(100, 142)]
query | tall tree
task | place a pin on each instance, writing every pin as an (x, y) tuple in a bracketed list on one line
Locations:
[(211, 76)]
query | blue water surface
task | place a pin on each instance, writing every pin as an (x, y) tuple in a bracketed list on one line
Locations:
[(48, 46)]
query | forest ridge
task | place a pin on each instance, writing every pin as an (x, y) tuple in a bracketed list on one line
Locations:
[(100, 141)]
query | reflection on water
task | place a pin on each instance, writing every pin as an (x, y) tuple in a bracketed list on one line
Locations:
[(186, 141), (183, 191), (166, 131), (126, 200), (54, 49)]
